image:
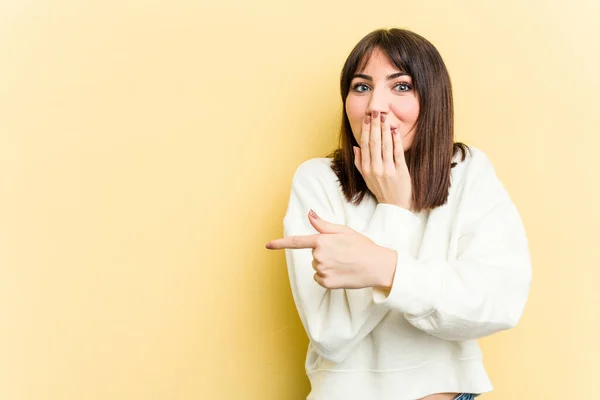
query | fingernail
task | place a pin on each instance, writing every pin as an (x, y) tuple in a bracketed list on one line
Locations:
[(368, 119), (313, 214), (382, 118), (375, 114)]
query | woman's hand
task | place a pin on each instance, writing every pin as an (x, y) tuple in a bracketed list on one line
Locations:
[(342, 257), (380, 160)]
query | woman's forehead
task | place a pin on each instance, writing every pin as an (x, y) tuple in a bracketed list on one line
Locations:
[(377, 58)]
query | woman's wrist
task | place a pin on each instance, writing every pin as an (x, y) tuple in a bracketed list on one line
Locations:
[(385, 265)]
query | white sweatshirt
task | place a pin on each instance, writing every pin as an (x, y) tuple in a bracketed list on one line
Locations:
[(463, 272)]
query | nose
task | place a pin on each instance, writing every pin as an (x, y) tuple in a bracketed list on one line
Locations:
[(378, 101)]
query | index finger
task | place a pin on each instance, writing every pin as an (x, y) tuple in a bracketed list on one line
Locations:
[(399, 159), (294, 242), (364, 142)]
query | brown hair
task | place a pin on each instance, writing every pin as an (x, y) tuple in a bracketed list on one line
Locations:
[(429, 159)]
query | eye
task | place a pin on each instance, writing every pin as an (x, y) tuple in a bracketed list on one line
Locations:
[(360, 87), (403, 87)]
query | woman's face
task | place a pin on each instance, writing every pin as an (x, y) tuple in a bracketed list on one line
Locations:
[(382, 87)]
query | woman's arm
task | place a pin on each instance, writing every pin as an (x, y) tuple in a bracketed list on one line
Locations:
[(335, 320), (485, 290)]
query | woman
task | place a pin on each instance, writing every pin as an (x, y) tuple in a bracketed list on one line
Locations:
[(415, 246)]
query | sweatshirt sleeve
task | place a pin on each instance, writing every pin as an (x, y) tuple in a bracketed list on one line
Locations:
[(485, 289), (335, 320)]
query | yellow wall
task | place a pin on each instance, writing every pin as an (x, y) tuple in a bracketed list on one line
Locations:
[(146, 153)]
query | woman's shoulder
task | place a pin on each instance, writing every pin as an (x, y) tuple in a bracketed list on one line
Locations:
[(475, 161), (315, 170), (476, 180), (315, 185)]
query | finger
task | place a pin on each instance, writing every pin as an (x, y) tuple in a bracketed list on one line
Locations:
[(364, 143), (323, 226), (315, 266), (387, 144), (375, 142), (294, 242), (399, 160), (319, 279), (357, 159)]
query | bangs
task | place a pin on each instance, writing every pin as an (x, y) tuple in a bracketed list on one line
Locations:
[(397, 55)]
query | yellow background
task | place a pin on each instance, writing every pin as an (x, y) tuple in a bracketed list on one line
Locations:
[(147, 150)]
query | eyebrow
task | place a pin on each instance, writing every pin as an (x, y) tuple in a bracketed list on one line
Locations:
[(389, 77)]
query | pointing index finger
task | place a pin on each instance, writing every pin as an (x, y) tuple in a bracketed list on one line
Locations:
[(294, 242)]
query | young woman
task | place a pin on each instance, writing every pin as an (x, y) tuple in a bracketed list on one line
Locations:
[(403, 247)]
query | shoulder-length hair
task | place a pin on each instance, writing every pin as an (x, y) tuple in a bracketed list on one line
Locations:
[(429, 159)]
